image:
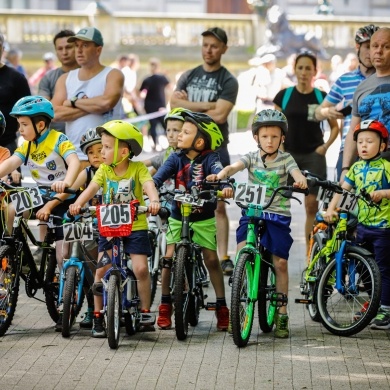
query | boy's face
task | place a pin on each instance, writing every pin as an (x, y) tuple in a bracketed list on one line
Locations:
[(187, 135), (26, 128), (369, 144), (108, 150), (173, 130), (94, 154), (269, 138)]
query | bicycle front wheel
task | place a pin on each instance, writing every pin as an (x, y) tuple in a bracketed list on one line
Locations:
[(151, 263), (242, 305), (267, 288), (113, 311), (349, 309), (70, 307), (52, 277), (9, 287), (182, 292)]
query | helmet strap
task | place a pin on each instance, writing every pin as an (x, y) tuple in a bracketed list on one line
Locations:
[(192, 147), (361, 63), (115, 163), (264, 156)]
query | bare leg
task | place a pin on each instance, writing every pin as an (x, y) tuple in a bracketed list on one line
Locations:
[(222, 221), (311, 206), (141, 271), (281, 271), (215, 271)]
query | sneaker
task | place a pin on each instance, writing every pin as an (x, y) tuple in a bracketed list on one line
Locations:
[(86, 323), (382, 320), (281, 326), (58, 325), (99, 330), (222, 318), (360, 313), (227, 266), (164, 320)]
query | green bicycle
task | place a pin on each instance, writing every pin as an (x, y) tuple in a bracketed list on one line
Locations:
[(254, 277)]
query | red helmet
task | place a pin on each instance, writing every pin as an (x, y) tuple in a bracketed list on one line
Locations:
[(371, 125)]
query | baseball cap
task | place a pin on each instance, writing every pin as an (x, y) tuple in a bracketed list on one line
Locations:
[(219, 33), (48, 56), (90, 34)]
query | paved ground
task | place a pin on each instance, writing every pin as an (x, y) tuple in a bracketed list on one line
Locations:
[(33, 356)]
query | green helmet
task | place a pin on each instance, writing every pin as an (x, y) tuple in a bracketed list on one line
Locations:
[(206, 126), (123, 131), (175, 114)]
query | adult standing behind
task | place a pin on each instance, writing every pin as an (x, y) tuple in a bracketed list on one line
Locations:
[(341, 92), (88, 96), (304, 139), (371, 99), (66, 55), (48, 65), (212, 89), (13, 87), (153, 90)]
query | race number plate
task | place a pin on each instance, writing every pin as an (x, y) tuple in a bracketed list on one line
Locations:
[(78, 231), (26, 200), (348, 201), (189, 199), (250, 193), (115, 214)]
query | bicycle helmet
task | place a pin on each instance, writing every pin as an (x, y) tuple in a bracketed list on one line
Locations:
[(206, 126), (269, 117), (176, 114), (364, 34), (3, 124), (33, 106), (123, 131), (372, 125), (88, 139)]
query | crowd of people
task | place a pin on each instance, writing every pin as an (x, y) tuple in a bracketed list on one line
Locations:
[(73, 120)]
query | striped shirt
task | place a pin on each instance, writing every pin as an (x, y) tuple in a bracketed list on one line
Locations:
[(274, 175), (343, 90)]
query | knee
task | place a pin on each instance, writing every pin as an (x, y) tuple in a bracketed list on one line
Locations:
[(281, 266)]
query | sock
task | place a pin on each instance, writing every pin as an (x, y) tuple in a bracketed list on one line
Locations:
[(145, 311), (221, 302), (166, 299)]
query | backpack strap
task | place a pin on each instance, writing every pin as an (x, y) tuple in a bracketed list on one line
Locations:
[(319, 96), (286, 97)]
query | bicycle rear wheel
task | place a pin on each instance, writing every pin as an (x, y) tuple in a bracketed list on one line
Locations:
[(242, 305), (113, 311), (52, 277), (9, 283), (182, 292), (360, 286), (267, 288)]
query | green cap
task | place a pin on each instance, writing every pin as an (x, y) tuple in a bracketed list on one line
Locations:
[(90, 34)]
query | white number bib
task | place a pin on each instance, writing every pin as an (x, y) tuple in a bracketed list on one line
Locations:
[(115, 214), (78, 231), (26, 200), (189, 199), (250, 193), (348, 201)]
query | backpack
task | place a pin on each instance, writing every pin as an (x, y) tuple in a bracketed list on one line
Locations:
[(288, 93)]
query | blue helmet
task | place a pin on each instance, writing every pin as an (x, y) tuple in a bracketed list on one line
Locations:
[(32, 106), (2, 124)]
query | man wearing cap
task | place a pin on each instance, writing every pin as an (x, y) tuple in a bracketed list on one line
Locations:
[(212, 89), (88, 96), (48, 65)]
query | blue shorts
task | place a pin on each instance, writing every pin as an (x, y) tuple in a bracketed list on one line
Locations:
[(137, 243), (276, 236)]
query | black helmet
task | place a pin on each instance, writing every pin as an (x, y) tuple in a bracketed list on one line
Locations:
[(364, 34), (269, 117)]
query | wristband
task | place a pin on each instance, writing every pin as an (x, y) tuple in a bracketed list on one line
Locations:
[(345, 169), (73, 101)]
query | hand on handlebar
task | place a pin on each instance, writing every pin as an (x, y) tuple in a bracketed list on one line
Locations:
[(74, 209), (227, 192), (302, 183), (331, 216), (44, 213), (59, 186), (212, 177), (377, 196), (154, 207)]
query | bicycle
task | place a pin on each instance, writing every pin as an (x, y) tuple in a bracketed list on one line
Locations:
[(188, 279), (17, 260), (350, 281), (254, 277), (78, 271)]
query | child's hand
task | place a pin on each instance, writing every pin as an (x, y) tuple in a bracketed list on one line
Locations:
[(74, 209), (377, 196), (16, 176), (331, 216), (212, 177), (44, 213), (59, 186), (154, 207), (227, 192), (301, 183)]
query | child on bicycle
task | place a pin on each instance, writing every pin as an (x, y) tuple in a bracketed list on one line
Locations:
[(198, 139), (120, 142), (270, 166), (371, 173)]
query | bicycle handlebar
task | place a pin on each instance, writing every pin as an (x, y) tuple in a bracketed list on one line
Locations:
[(11, 188), (315, 181)]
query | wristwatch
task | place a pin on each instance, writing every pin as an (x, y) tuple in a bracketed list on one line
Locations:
[(73, 101)]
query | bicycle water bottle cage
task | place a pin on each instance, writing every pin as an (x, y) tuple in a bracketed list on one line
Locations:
[(254, 210), (278, 299)]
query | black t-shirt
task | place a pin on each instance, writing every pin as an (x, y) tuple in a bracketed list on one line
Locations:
[(13, 86), (155, 97), (303, 135)]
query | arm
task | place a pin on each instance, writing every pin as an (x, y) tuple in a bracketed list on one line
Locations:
[(9, 165), (327, 110), (180, 99), (150, 190), (85, 196), (221, 111), (331, 214), (72, 172), (334, 133), (228, 171), (349, 154), (299, 180)]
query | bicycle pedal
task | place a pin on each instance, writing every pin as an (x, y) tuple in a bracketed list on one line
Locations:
[(304, 301), (212, 306)]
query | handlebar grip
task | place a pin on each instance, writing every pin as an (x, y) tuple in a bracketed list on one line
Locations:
[(301, 190), (70, 191)]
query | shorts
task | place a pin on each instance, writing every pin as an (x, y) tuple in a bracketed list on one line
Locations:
[(205, 232), (136, 243), (276, 236), (312, 162)]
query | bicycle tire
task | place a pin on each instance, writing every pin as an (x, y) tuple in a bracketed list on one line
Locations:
[(182, 293), (113, 311), (267, 288), (242, 307), (338, 310), (153, 273), (9, 271), (51, 290), (70, 301), (131, 317), (195, 300)]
